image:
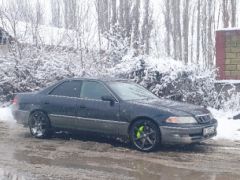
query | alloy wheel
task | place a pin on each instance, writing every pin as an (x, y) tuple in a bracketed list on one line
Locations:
[(39, 124), (144, 135)]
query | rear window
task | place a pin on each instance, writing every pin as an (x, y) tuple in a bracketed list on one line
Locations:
[(68, 89)]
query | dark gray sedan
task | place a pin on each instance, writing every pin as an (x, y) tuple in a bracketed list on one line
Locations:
[(114, 107)]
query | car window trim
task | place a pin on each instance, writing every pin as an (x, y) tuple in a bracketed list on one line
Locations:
[(79, 98)]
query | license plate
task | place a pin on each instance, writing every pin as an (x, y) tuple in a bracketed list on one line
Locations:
[(208, 131)]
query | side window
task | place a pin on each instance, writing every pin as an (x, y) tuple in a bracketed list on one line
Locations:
[(68, 88), (93, 90)]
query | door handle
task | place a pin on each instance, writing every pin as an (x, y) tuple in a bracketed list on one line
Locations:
[(82, 107)]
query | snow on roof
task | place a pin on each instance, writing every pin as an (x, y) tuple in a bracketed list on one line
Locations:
[(228, 81), (229, 29)]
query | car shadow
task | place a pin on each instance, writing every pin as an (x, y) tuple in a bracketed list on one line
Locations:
[(189, 148), (94, 137), (121, 142)]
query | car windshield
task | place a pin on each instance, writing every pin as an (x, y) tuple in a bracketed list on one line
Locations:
[(131, 91)]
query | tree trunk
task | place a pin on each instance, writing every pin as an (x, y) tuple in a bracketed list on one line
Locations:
[(114, 13), (146, 28), (168, 25), (135, 24), (66, 11), (234, 12), (185, 30), (103, 15), (177, 32), (198, 30), (204, 33), (121, 14), (209, 33), (56, 13), (225, 15), (127, 18)]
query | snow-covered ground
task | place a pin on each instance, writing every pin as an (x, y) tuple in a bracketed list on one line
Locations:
[(227, 127), (6, 115), (8, 175)]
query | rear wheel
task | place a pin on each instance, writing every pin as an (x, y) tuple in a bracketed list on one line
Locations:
[(39, 125), (144, 135)]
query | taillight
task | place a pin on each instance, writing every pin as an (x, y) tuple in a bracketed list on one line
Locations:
[(15, 100)]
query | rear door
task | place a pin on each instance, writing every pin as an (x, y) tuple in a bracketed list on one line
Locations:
[(93, 113), (60, 104)]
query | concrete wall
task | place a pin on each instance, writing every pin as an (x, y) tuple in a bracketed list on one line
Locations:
[(228, 53)]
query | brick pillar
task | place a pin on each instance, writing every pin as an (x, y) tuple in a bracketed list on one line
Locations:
[(228, 53), (220, 54)]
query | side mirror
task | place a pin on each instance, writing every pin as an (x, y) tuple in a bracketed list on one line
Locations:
[(108, 98)]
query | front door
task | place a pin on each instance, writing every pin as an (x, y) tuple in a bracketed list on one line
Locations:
[(93, 113)]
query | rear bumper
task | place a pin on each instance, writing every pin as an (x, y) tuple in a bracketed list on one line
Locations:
[(185, 135), (21, 116)]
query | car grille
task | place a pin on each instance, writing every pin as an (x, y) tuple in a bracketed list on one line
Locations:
[(203, 119)]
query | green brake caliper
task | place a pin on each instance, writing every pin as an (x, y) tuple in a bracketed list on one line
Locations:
[(139, 132)]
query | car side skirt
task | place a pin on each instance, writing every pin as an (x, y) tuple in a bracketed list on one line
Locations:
[(89, 124)]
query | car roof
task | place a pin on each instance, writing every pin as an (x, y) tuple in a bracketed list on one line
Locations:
[(100, 79)]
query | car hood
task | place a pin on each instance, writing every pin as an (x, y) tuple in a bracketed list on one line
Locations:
[(173, 106)]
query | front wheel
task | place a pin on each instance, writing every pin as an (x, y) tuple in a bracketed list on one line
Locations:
[(39, 125), (144, 135)]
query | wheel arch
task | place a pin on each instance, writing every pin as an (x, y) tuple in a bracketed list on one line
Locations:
[(41, 110), (143, 117)]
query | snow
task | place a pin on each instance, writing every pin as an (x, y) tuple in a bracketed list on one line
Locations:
[(228, 81), (6, 115), (31, 33), (9, 175), (227, 127), (46, 35), (229, 29)]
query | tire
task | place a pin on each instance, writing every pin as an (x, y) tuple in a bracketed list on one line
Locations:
[(39, 125), (144, 135)]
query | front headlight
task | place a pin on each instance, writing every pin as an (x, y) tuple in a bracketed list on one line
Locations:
[(181, 120)]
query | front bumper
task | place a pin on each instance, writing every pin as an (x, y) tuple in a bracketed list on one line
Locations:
[(185, 135)]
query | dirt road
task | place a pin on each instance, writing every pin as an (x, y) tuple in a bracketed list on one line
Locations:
[(71, 157)]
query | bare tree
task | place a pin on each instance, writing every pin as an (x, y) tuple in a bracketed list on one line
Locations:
[(225, 13), (233, 12), (146, 28), (210, 16), (56, 13), (135, 24), (204, 32), (168, 24), (121, 13), (185, 29), (198, 29), (102, 7), (114, 12), (39, 13), (70, 13), (127, 18), (23, 7), (177, 30)]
